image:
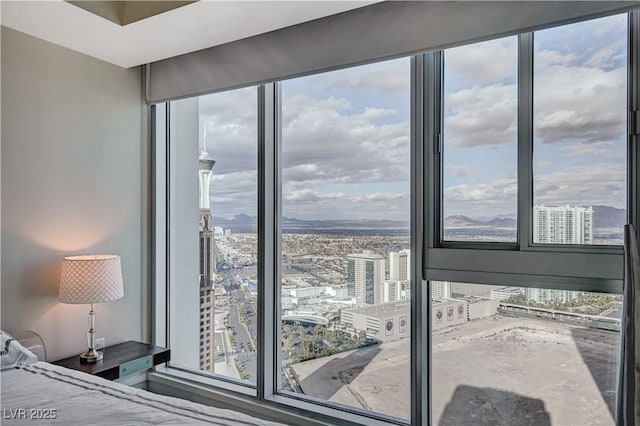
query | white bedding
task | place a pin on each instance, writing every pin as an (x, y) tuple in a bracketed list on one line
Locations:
[(82, 399)]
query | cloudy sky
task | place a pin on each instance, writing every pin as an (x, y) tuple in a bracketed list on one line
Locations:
[(346, 133), (579, 120)]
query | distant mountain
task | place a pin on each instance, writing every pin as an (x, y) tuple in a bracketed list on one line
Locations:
[(242, 221), (609, 217), (460, 221), (235, 220), (603, 216), (288, 222)]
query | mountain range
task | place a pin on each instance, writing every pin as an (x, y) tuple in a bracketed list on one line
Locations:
[(245, 221), (603, 217)]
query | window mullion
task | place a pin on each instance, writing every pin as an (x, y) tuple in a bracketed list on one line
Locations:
[(525, 140), (268, 241), (432, 136), (420, 333), (633, 201), (159, 229), (428, 119)]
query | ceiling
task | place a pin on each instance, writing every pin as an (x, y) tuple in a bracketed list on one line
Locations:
[(188, 28)]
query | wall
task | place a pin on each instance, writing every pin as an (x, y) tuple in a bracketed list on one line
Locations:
[(184, 328), (74, 179)]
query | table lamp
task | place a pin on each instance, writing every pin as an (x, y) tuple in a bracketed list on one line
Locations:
[(91, 279)]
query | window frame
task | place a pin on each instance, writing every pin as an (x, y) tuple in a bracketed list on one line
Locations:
[(571, 261), (551, 266)]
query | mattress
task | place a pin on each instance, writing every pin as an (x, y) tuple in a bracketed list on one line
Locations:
[(44, 393)]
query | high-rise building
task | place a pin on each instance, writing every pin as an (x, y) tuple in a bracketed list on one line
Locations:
[(563, 225), (391, 291), (440, 290), (547, 296), (400, 265), (207, 264), (559, 225), (365, 277)]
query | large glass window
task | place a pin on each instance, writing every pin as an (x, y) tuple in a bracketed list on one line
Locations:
[(345, 241), (480, 141), (535, 356), (337, 249), (214, 285), (580, 132), (493, 347)]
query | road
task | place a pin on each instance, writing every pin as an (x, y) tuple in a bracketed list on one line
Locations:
[(244, 348)]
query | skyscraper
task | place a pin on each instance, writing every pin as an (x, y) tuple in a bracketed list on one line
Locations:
[(548, 296), (440, 290), (563, 225), (365, 277), (207, 264), (400, 265), (559, 225)]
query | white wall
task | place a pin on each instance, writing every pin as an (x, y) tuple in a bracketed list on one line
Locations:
[(184, 326), (74, 179)]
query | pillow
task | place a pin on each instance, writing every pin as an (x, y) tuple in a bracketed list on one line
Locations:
[(13, 354)]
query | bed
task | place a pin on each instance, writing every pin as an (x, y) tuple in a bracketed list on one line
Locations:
[(43, 393)]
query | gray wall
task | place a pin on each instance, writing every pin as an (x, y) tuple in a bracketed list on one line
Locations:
[(74, 181)]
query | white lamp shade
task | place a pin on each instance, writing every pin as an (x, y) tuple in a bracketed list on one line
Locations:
[(91, 279)]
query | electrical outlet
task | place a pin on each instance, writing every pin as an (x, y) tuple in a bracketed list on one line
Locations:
[(100, 343)]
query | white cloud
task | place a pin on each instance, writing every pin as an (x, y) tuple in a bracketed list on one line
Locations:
[(481, 116), (597, 184), (231, 122), (495, 197), (596, 149), (234, 193), (606, 56), (572, 103), (483, 63), (384, 77), (314, 204), (326, 139), (545, 58), (457, 170), (580, 104)]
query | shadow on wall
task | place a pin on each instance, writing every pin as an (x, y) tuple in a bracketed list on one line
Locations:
[(486, 406)]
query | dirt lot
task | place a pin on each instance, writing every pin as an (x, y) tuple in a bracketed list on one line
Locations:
[(494, 371)]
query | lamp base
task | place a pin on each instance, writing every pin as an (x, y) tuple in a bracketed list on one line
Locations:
[(91, 356)]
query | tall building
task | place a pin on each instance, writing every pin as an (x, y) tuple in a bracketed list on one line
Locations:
[(559, 225), (563, 225), (391, 291), (400, 265), (365, 278), (547, 296), (440, 290), (207, 264)]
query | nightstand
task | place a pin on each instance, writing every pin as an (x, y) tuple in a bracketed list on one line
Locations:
[(121, 360)]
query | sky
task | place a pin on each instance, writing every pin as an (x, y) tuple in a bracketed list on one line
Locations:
[(579, 120), (346, 133)]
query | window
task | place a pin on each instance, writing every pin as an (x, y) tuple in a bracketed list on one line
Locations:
[(345, 239), (480, 133), (548, 307), (513, 352), (580, 132), (413, 241), (215, 166)]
